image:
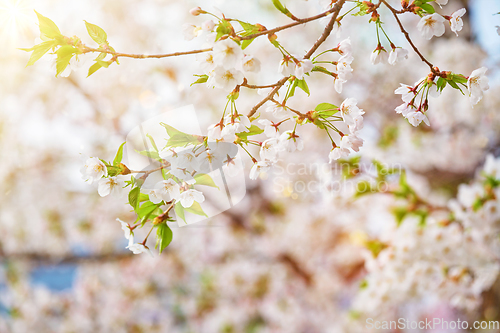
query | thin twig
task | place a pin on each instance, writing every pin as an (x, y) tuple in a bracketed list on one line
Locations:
[(407, 36), (279, 84), (144, 56)]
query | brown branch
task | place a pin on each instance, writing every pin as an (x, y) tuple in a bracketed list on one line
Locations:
[(144, 56), (298, 113), (279, 84), (336, 10), (407, 36)]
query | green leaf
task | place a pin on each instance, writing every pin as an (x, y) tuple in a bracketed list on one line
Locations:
[(64, 55), (326, 109), (428, 8), (322, 70), (133, 197), (281, 8), (441, 83), (249, 28), (101, 56), (292, 89), (148, 210), (152, 142), (180, 139), (302, 84), (224, 28), (253, 130), (48, 29), (39, 51), (196, 209), (96, 33), (204, 179), (164, 237), (103, 63), (202, 79), (400, 214), (119, 155), (94, 68), (179, 211), (246, 42), (150, 153)]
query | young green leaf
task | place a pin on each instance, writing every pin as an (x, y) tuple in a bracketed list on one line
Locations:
[(302, 84), (204, 179), (164, 237), (279, 6), (119, 155), (133, 197), (196, 209), (94, 68), (96, 33), (179, 211), (39, 51), (202, 79), (48, 29)]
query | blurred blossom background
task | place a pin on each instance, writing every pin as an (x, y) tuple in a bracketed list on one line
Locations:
[(294, 255)]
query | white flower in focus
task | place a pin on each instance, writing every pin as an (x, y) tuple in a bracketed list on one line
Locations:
[(278, 110), (139, 248), (345, 47), (476, 84), (441, 2), (270, 130), (338, 84), (258, 168), (93, 170), (187, 198), (227, 79), (344, 69), (397, 54), (431, 25), (228, 133), (241, 122), (358, 124), (227, 53), (286, 67), (406, 92), (214, 132), (349, 111), (337, 153), (128, 233), (404, 109), (302, 67), (206, 61), (165, 190), (416, 117), (289, 141), (250, 64), (269, 149), (379, 55), (456, 22), (208, 25), (351, 141), (191, 31), (111, 185)]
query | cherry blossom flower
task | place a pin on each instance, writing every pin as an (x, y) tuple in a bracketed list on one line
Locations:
[(431, 25), (351, 141), (345, 47), (343, 67), (358, 124), (404, 109), (214, 132), (139, 248), (208, 25), (128, 233), (227, 79), (289, 141), (191, 31), (302, 67), (441, 2), (187, 198), (477, 84), (259, 167), (270, 130), (286, 66), (269, 149), (93, 170), (337, 153), (378, 55), (164, 190), (416, 117), (456, 22), (278, 110), (349, 111), (397, 54), (338, 84), (111, 185), (406, 92), (206, 61), (250, 64), (227, 53)]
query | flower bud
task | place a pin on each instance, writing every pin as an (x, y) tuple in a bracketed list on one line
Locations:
[(196, 11)]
